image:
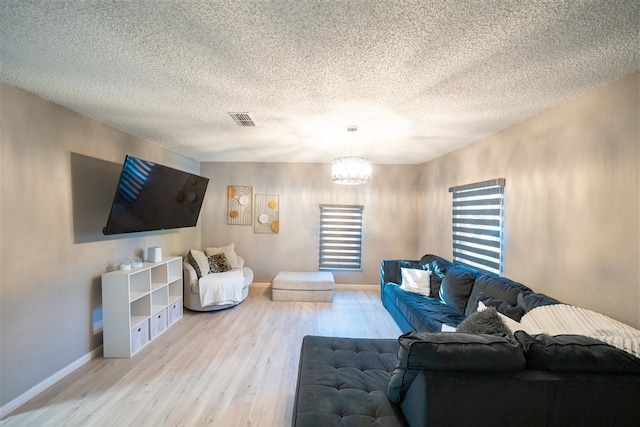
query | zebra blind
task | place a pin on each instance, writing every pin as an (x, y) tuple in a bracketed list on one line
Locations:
[(340, 237), (478, 217)]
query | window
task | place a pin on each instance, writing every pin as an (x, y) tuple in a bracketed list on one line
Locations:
[(478, 217), (340, 237)]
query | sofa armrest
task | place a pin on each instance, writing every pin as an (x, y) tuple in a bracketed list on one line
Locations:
[(388, 268), (190, 273), (240, 261)]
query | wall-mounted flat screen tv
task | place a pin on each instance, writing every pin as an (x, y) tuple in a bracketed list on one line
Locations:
[(151, 197)]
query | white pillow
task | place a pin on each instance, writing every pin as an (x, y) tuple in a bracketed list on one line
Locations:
[(201, 262), (512, 324), (228, 251), (417, 281)]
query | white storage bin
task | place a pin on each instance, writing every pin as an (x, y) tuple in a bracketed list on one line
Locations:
[(158, 323), (139, 336), (175, 311)]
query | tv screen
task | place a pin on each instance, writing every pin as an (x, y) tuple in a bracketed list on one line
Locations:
[(151, 197)]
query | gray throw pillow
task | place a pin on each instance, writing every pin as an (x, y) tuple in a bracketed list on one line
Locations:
[(484, 322)]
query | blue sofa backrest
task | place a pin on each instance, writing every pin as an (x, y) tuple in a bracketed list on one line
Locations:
[(491, 285), (497, 287)]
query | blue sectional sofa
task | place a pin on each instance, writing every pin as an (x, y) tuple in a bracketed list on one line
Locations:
[(432, 378), (414, 312)]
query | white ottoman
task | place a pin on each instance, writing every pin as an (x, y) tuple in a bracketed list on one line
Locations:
[(300, 286)]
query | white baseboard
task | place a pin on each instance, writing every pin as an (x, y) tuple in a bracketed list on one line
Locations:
[(45, 384), (260, 285), (356, 286), (351, 286)]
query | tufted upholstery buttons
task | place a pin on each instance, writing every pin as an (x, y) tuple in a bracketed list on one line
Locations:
[(343, 382)]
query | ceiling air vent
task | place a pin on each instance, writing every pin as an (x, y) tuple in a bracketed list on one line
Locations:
[(242, 119)]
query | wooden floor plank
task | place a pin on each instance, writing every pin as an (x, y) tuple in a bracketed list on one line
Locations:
[(236, 367)]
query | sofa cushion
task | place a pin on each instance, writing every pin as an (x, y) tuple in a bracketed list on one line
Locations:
[(456, 287), (514, 312), (438, 267), (199, 262), (484, 322), (343, 382), (511, 324), (530, 300), (435, 260), (422, 313), (575, 353), (437, 274), (460, 352), (412, 264), (452, 352), (559, 319), (497, 287)]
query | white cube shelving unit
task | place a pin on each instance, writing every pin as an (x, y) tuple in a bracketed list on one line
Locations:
[(139, 304)]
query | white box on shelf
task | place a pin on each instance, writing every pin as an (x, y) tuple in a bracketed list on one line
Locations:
[(154, 254)]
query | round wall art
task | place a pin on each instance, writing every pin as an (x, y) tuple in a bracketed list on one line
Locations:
[(267, 208), (239, 210)]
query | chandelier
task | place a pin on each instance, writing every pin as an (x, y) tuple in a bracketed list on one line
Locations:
[(351, 170)]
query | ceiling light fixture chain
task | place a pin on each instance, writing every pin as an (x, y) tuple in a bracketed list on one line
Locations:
[(351, 129)]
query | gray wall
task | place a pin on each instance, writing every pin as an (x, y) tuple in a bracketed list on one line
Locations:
[(572, 224), (390, 204), (59, 173), (571, 201)]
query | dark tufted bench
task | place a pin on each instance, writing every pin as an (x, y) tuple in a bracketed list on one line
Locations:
[(343, 382)]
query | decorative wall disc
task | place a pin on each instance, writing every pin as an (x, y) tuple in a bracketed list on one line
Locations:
[(239, 208), (267, 208)]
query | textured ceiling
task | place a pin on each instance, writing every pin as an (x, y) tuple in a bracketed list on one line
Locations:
[(419, 78)]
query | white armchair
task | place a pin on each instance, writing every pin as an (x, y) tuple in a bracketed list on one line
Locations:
[(207, 291)]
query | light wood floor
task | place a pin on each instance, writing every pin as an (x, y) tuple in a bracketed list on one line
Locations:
[(236, 367)]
